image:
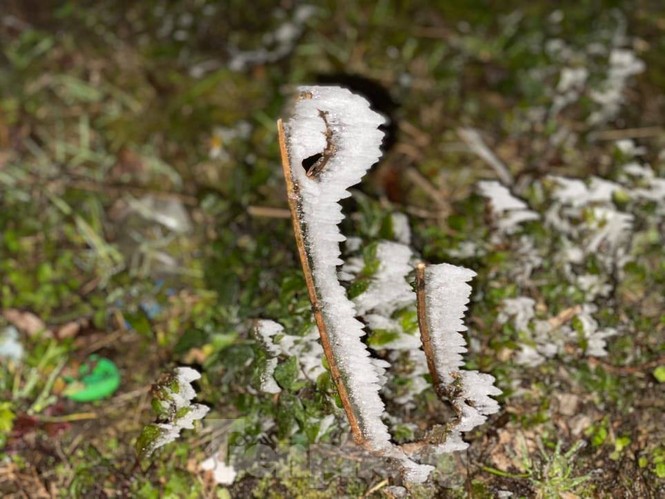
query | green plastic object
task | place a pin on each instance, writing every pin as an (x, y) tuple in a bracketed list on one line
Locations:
[(98, 378)]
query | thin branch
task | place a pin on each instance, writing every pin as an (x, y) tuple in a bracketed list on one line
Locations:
[(295, 206), (478, 147), (426, 186), (423, 325), (628, 133), (268, 212)]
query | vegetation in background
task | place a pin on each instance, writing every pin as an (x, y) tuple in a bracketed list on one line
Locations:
[(142, 219)]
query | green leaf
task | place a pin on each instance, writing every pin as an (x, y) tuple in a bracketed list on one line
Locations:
[(372, 262), (660, 470), (358, 287), (148, 440), (659, 374), (286, 373), (408, 319), (7, 417), (381, 337)]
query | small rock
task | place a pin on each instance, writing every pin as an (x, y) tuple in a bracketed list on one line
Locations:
[(568, 404), (26, 322)]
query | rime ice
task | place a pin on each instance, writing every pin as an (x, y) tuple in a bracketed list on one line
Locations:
[(447, 295), (332, 140), (323, 114)]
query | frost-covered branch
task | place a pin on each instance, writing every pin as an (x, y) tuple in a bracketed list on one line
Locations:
[(443, 295), (327, 145), (338, 133)]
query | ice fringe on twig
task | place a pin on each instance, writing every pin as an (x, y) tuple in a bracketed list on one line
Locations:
[(443, 297), (342, 131), (327, 146)]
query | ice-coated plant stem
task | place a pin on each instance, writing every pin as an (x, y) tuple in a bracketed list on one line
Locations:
[(336, 134), (442, 294), (423, 326), (328, 144), (299, 228)]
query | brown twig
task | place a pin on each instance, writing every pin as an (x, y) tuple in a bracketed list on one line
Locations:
[(268, 212), (423, 325), (426, 186), (633, 133), (593, 361), (564, 316), (80, 416), (295, 202)]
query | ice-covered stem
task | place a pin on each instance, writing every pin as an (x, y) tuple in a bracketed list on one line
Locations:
[(442, 296), (338, 133), (421, 306)]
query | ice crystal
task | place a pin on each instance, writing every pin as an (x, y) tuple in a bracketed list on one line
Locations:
[(175, 410), (326, 118)]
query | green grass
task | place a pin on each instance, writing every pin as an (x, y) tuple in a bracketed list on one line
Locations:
[(105, 103)]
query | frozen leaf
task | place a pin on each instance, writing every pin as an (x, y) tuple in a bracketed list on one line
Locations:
[(507, 211), (388, 290), (305, 351), (172, 396)]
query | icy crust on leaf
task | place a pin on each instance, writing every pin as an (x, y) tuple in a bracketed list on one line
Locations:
[(266, 331), (175, 408), (507, 210), (447, 295), (276, 342), (388, 290), (325, 116)]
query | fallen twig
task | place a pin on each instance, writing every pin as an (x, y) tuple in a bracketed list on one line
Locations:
[(478, 147)]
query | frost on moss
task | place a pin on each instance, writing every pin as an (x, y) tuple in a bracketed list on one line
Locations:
[(172, 403), (276, 342), (595, 228)]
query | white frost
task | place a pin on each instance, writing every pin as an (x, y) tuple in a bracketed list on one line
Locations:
[(353, 128), (10, 346), (623, 65), (447, 295), (521, 309), (276, 341), (277, 44), (508, 211), (388, 290), (595, 336), (176, 404), (401, 228), (222, 473)]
